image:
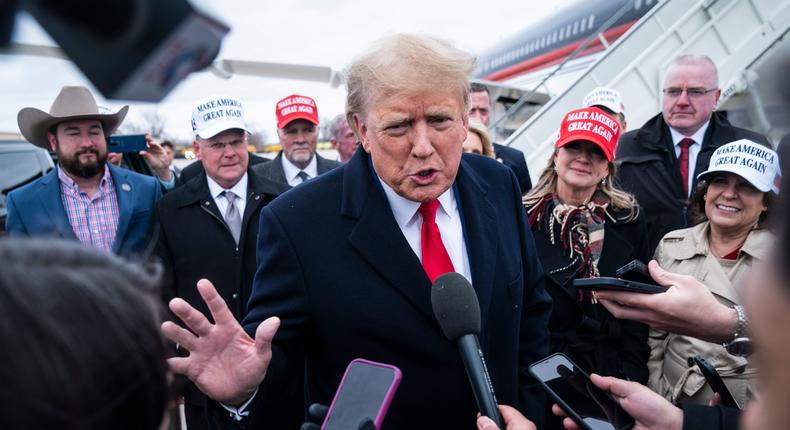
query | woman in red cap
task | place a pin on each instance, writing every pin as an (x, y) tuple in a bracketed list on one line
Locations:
[(584, 226)]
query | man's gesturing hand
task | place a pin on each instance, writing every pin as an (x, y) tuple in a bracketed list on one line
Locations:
[(224, 362)]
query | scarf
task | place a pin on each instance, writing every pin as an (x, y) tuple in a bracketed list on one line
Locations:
[(581, 230)]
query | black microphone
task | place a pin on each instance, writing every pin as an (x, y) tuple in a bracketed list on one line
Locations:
[(456, 308)]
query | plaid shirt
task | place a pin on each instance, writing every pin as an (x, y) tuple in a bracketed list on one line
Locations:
[(93, 219)]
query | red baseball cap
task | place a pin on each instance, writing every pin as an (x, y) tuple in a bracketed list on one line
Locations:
[(593, 125), (296, 107)]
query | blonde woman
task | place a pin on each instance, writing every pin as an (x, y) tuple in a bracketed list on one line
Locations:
[(478, 140), (584, 227)]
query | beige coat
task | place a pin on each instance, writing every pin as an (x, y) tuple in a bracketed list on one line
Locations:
[(686, 252)]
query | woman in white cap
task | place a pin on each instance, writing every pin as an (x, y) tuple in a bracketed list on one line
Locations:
[(732, 203), (584, 226)]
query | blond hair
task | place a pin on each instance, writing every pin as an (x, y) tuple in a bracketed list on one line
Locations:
[(477, 127), (406, 64), (547, 184)]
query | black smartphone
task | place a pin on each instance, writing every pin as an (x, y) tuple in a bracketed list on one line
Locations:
[(570, 387), (714, 380), (365, 392), (616, 284), (126, 143), (635, 271)]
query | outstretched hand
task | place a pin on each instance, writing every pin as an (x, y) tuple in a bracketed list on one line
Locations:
[(224, 362), (687, 307)]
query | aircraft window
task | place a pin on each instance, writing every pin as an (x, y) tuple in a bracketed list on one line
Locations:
[(583, 26), (638, 4), (592, 21), (575, 27), (562, 34), (554, 37)]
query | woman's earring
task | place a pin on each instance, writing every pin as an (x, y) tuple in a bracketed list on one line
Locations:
[(603, 181)]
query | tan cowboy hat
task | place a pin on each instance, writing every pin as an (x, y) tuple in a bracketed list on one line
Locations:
[(71, 104)]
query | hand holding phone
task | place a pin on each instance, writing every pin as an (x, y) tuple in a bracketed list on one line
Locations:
[(365, 392), (587, 405)]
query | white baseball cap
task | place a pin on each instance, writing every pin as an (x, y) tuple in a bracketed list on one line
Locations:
[(215, 114), (756, 163), (605, 97)]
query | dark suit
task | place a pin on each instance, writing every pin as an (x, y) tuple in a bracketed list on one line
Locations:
[(648, 168), (37, 210), (195, 243), (274, 170), (194, 169), (336, 268), (513, 158)]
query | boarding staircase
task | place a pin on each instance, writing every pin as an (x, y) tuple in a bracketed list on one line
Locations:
[(734, 33)]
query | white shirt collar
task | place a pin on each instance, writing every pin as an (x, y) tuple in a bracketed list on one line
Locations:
[(240, 189), (405, 210), (697, 137), (292, 171)]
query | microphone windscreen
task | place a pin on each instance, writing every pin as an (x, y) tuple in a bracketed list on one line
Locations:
[(455, 305)]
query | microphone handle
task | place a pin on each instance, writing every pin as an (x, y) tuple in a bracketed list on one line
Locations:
[(477, 372)]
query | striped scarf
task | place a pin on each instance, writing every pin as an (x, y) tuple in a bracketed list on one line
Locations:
[(581, 228)]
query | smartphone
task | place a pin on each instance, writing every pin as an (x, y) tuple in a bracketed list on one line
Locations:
[(126, 143), (635, 271), (714, 380), (366, 391), (616, 284), (570, 387)]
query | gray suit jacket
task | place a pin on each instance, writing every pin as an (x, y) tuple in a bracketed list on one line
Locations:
[(274, 170)]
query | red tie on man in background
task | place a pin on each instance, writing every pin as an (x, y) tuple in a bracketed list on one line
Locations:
[(435, 259), (683, 162)]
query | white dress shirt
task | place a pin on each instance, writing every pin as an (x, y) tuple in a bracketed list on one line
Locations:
[(693, 149), (240, 190), (448, 218), (292, 172)]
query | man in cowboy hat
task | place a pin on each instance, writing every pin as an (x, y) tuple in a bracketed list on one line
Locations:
[(84, 198)]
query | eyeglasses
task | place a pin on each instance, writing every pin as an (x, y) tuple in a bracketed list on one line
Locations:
[(693, 93), (220, 146)]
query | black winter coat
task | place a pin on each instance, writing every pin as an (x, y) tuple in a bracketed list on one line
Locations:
[(648, 168), (194, 243), (587, 332)]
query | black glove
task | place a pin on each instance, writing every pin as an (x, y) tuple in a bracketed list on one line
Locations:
[(316, 414)]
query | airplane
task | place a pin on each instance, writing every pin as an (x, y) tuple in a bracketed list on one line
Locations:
[(527, 54), (543, 59)]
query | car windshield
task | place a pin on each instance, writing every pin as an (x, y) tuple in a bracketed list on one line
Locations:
[(18, 169)]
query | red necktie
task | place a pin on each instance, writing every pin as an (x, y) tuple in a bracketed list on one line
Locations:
[(683, 162), (435, 259)]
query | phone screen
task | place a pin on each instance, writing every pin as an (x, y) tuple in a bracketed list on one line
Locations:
[(126, 143), (574, 391), (366, 391)]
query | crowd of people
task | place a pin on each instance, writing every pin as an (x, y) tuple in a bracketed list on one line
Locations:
[(272, 275)]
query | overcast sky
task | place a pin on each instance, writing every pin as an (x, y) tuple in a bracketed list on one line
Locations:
[(314, 32)]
